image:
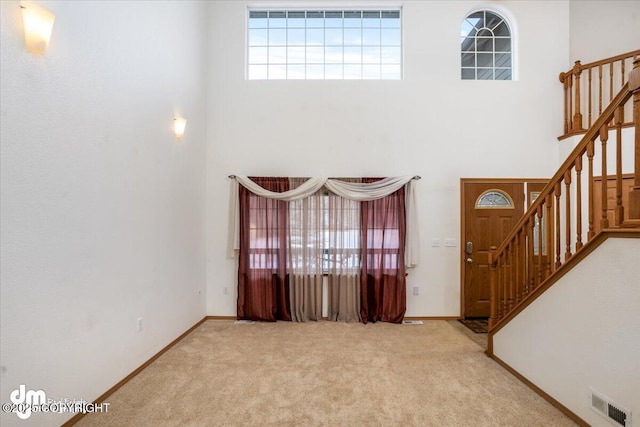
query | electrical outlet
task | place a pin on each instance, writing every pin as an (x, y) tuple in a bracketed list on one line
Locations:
[(435, 242), (416, 290), (139, 324), (450, 242), (225, 290)]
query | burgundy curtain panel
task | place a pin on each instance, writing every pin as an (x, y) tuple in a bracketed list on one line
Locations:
[(382, 278), (263, 291)]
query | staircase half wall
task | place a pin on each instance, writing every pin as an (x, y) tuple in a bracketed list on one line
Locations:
[(583, 333)]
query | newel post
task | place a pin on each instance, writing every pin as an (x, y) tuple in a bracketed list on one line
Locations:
[(634, 86), (577, 117), (493, 313), (564, 79)]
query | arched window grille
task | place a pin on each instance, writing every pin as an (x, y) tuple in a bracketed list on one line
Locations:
[(486, 47)]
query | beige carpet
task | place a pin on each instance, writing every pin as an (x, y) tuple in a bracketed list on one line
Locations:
[(326, 374), (480, 339)]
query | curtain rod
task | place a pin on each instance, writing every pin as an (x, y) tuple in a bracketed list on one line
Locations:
[(417, 177)]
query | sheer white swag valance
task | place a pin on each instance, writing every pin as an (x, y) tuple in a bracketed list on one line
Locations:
[(358, 191)]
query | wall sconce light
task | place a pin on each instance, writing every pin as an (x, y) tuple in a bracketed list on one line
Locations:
[(38, 23), (179, 124)]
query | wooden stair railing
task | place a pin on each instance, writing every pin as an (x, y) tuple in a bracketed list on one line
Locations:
[(587, 87), (596, 188)]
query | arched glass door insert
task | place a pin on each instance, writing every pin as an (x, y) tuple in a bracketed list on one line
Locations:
[(494, 199)]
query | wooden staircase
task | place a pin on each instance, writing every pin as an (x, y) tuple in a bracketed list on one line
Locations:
[(593, 195)]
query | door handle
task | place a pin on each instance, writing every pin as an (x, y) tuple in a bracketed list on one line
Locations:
[(469, 261)]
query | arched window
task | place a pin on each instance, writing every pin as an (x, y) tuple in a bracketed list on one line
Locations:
[(486, 47), (494, 199)]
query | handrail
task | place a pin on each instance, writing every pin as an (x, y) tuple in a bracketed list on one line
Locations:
[(551, 231), (604, 77), (622, 97), (611, 59)]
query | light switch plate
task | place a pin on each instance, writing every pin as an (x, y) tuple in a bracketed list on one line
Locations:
[(450, 242), (436, 242)]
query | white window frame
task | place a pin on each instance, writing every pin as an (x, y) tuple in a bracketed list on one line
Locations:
[(323, 6), (505, 14)]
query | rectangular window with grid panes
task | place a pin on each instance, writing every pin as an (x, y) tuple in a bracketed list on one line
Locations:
[(324, 44)]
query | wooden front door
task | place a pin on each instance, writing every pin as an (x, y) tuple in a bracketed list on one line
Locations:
[(490, 211)]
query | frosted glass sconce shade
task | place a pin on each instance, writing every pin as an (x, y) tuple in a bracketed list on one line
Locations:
[(38, 23), (179, 124)]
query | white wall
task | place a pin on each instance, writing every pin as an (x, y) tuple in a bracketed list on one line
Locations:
[(583, 332), (601, 29), (103, 211), (431, 124)]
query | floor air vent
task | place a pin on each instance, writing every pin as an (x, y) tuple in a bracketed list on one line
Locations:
[(615, 413), (412, 322), (243, 322)]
